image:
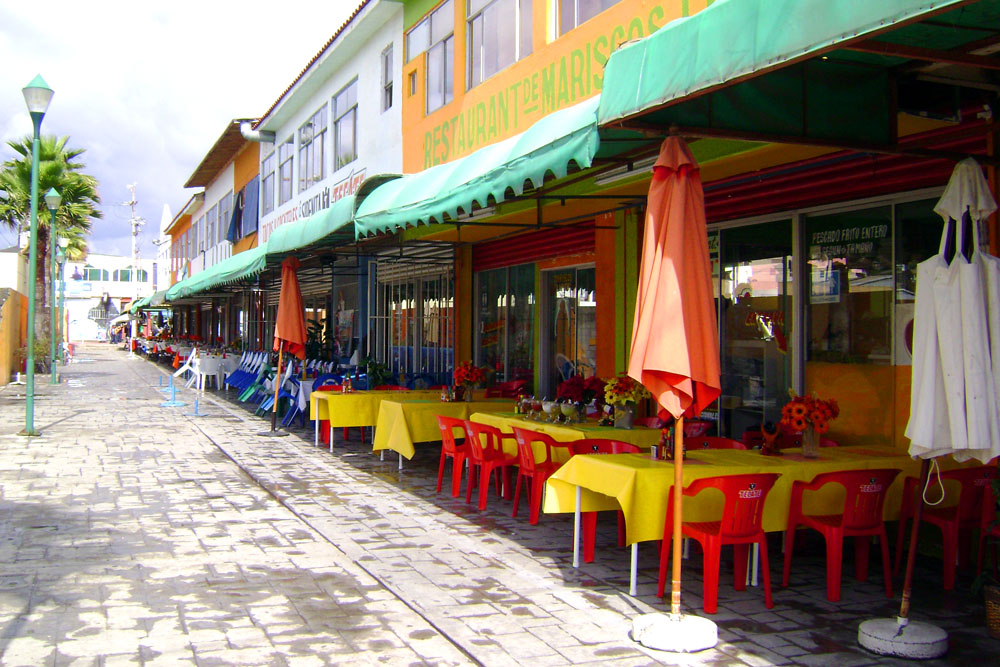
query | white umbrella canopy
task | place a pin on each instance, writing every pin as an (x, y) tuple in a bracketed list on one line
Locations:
[(956, 332)]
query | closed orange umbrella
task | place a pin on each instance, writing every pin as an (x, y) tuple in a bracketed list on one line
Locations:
[(289, 329), (675, 337)]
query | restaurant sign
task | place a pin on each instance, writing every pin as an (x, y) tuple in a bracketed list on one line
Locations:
[(318, 201)]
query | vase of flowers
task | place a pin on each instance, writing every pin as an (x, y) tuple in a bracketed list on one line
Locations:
[(811, 416), (624, 394), (467, 376)]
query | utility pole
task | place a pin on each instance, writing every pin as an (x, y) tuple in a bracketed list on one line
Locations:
[(137, 224)]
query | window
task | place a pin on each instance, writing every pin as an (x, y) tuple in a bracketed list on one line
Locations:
[(225, 215), (505, 319), (208, 231), (345, 121), (91, 273), (195, 234), (267, 185), (312, 159), (387, 78), (123, 275), (285, 155), (435, 34), (574, 12), (499, 35)]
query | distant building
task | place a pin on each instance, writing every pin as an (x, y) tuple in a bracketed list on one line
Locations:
[(101, 288)]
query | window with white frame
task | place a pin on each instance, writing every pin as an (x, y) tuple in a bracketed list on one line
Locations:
[(436, 35), (387, 78), (286, 152), (574, 12), (345, 124), (211, 221), (225, 215), (267, 185), (193, 249), (499, 35), (312, 162)]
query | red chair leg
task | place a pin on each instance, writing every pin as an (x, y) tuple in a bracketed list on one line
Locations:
[(834, 554), (474, 474), (441, 470), (861, 551), (789, 547), (904, 517), (765, 567), (710, 589), (457, 463), (666, 544), (741, 554), (484, 486), (517, 495), (589, 528), (949, 556), (621, 528), (537, 484)]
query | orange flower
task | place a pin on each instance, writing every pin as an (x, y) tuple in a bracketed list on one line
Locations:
[(798, 410), (799, 424)]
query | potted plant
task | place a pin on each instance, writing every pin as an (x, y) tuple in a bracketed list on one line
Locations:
[(466, 377), (811, 416)]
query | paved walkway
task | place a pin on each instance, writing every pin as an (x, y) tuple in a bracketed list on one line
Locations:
[(137, 534)]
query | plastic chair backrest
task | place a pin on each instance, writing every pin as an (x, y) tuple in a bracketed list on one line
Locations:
[(391, 387), (328, 378), (974, 482), (648, 422), (602, 446), (865, 492), (712, 442), (484, 441), (744, 500), (447, 425), (329, 387), (526, 453)]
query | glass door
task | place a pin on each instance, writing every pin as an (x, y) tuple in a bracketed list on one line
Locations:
[(755, 313), (570, 338)]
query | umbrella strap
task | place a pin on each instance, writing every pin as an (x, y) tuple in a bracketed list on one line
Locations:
[(935, 470)]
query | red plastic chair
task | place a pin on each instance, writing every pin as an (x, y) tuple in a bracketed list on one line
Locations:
[(506, 389), (989, 527), (589, 519), (391, 387), (486, 457), (740, 526), (535, 471), (648, 422), (861, 518), (457, 451), (955, 521), (712, 442)]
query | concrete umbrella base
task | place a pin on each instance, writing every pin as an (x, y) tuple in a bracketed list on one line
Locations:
[(902, 639), (679, 633)]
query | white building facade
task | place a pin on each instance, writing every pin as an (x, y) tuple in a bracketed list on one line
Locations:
[(338, 123), (99, 289)]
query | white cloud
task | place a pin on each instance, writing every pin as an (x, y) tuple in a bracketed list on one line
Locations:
[(147, 88)]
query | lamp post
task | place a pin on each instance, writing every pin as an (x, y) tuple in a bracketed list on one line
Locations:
[(61, 259), (37, 96), (52, 201)]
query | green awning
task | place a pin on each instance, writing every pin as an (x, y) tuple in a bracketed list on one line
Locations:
[(818, 70), (137, 305), (326, 227), (158, 299), (451, 189), (239, 266)]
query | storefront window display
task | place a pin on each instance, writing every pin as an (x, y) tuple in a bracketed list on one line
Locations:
[(571, 333)]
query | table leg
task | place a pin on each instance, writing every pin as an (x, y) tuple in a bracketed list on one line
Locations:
[(316, 431), (331, 435), (576, 530), (400, 462), (634, 569)]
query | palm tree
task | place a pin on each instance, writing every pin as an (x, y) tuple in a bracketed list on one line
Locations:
[(60, 168)]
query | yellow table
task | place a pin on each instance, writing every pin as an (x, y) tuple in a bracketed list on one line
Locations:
[(639, 485), (640, 436), (358, 408), (400, 424)]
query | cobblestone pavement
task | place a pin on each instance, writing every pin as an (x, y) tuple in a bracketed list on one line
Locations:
[(138, 534)]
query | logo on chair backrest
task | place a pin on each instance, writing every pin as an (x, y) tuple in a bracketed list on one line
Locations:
[(751, 492), (595, 448), (983, 481), (871, 487)]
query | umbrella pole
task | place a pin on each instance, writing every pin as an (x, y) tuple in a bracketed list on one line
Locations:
[(899, 636), (675, 584), (277, 388)]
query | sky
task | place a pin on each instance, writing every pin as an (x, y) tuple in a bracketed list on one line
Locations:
[(146, 88)]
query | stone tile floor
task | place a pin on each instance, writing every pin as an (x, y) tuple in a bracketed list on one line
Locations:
[(135, 534)]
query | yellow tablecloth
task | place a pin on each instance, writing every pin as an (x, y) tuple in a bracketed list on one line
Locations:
[(359, 408), (638, 485), (640, 435), (400, 424)]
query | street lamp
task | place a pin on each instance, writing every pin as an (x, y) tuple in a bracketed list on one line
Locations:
[(52, 201), (61, 258), (37, 96)]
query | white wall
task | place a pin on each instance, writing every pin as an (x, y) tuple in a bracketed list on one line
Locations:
[(356, 53)]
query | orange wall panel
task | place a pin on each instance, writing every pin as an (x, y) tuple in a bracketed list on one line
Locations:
[(246, 165)]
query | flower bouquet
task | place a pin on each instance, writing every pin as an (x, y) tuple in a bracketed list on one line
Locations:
[(466, 377), (811, 416), (624, 393), (580, 391)]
